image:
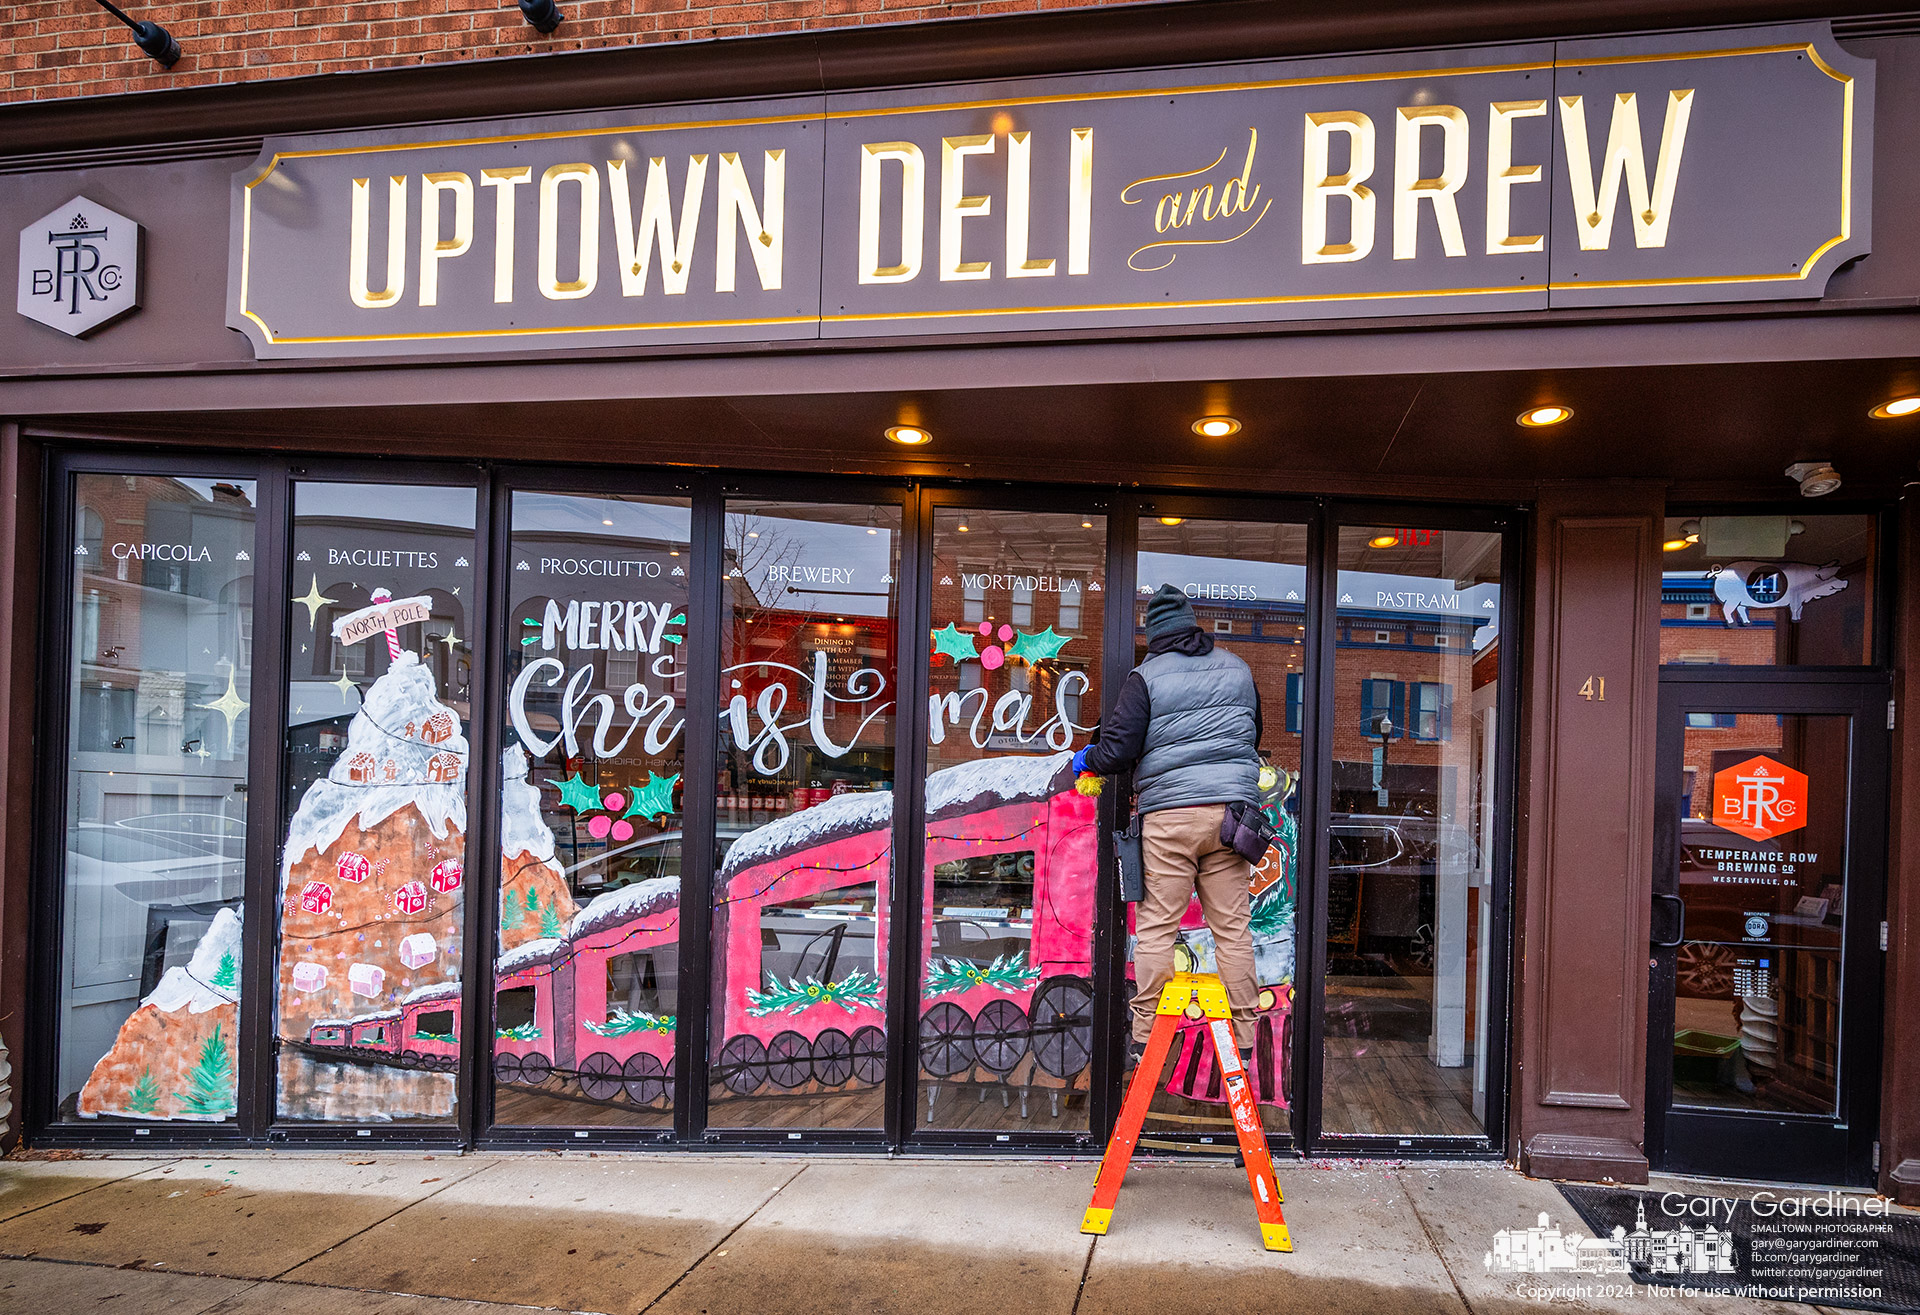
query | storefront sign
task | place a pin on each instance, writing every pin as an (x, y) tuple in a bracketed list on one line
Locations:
[(79, 267), (1731, 166), (1759, 799)]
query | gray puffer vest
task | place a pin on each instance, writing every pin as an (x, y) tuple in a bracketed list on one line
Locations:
[(1200, 734)]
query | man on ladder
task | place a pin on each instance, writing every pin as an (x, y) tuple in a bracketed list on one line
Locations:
[(1187, 724)]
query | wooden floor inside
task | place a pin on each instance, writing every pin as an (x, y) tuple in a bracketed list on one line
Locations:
[(1378, 1078)]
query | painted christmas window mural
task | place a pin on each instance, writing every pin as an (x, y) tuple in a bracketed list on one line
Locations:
[(797, 1036), (586, 979), (373, 872), (161, 609), (1006, 983), (1247, 582)]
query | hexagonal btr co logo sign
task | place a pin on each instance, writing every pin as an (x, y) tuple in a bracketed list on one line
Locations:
[(79, 267), (1759, 799)]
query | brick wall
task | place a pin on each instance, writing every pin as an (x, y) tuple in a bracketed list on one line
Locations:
[(59, 48)]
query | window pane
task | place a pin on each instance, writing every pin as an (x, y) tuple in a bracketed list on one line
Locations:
[(1410, 870), (807, 678), (1768, 590), (156, 801), (587, 979), (372, 910), (1006, 1014), (1247, 580)]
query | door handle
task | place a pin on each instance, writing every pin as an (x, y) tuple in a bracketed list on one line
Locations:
[(1680, 922)]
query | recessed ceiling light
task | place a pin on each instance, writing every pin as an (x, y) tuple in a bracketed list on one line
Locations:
[(1383, 541), (1173, 520), (909, 435), (1675, 545), (1086, 525), (1893, 410), (606, 522), (1216, 426), (1542, 416), (963, 529)]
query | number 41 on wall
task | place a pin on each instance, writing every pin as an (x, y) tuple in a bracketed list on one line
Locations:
[(1595, 689)]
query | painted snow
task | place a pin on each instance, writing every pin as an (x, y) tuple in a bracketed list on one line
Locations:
[(404, 696), (626, 904)]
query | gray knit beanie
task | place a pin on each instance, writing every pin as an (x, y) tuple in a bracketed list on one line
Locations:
[(1168, 612)]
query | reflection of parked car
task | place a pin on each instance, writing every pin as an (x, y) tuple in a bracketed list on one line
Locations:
[(640, 860), (1393, 861), (115, 873), (210, 833)]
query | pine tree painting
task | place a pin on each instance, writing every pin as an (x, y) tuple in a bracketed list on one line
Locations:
[(145, 1096), (227, 976), (550, 917), (213, 1085), (511, 915)]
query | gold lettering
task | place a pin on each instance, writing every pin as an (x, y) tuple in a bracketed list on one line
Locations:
[(359, 240), (765, 228), (1240, 192), (504, 180), (1020, 209), (1625, 157), (1320, 185), (913, 203), (433, 247), (635, 250), (1503, 175), (1410, 189), (956, 208), (1167, 214), (587, 268), (1080, 201), (1194, 202)]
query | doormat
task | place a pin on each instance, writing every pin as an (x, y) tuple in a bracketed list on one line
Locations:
[(1826, 1249)]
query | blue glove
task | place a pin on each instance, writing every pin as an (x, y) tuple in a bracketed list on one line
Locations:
[(1080, 760)]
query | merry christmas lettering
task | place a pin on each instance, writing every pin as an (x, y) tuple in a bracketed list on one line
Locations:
[(1009, 713), (761, 726)]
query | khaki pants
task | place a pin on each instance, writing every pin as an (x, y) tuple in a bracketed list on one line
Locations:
[(1184, 855)]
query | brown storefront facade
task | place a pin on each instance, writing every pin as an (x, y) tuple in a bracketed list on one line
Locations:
[(448, 514)]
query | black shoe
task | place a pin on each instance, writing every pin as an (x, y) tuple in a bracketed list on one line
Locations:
[(1246, 1059), (1136, 1051)]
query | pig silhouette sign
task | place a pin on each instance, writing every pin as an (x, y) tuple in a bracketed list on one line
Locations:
[(1792, 585)]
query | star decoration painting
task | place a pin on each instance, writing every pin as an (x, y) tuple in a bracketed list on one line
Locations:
[(229, 705), (314, 601)]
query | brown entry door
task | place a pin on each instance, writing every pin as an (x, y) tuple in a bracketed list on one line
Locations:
[(1763, 1018)]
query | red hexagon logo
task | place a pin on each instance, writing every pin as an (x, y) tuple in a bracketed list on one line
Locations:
[(1759, 799)]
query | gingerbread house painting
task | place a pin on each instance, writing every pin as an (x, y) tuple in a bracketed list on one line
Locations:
[(402, 823)]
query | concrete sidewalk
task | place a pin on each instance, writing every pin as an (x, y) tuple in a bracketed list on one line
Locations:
[(673, 1234)]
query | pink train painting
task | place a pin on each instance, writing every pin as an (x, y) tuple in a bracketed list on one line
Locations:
[(800, 960)]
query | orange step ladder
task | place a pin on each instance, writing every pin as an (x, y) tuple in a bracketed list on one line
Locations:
[(1191, 995)]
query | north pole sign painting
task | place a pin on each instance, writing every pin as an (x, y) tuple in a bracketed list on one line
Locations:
[(1716, 167)]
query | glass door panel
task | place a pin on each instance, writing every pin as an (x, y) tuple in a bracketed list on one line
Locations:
[(586, 974), (1247, 580), (809, 634), (1411, 847), (1763, 880), (1006, 1011), (372, 910), (156, 796), (1768, 884)]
